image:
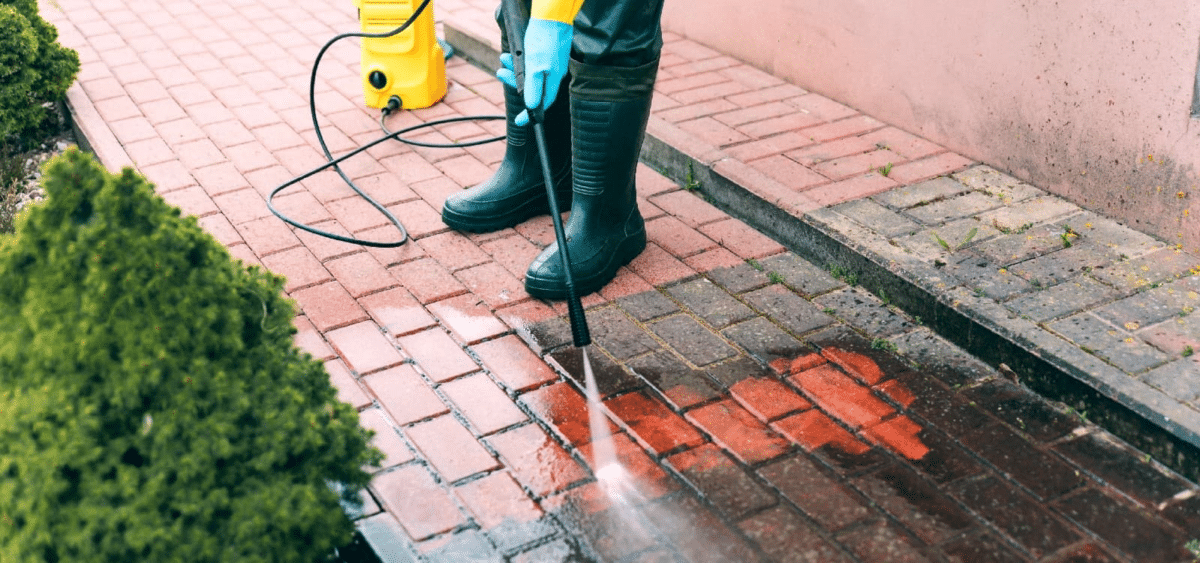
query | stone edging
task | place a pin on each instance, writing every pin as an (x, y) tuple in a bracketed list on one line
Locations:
[(93, 133)]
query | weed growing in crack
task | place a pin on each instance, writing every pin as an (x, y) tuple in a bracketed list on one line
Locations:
[(883, 344), (843, 274), (1068, 235), (691, 184), (1010, 231), (965, 241)]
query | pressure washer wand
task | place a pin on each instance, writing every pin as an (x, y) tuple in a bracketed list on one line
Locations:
[(516, 18), (579, 326)]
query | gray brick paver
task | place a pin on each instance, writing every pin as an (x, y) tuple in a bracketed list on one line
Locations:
[(879, 218), (1063, 299), (711, 303), (691, 340), (1109, 343), (917, 194)]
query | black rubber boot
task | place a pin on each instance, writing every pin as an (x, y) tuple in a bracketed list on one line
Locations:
[(517, 191), (609, 110)]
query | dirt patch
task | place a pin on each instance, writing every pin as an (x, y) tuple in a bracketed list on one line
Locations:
[(21, 166)]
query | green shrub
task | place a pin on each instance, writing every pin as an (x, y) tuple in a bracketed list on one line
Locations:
[(153, 406), (34, 69)]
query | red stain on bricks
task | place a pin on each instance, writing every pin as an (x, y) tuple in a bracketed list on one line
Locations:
[(686, 395), (654, 423), (896, 391), (785, 366), (767, 398), (899, 434), (858, 365), (808, 361), (846, 400), (842, 397), (812, 429), (643, 473), (738, 431), (564, 409)]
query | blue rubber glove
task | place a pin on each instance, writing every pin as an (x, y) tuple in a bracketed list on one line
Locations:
[(547, 49), (505, 73)]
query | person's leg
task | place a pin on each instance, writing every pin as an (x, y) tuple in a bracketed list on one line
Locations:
[(618, 33), (613, 69), (517, 190)]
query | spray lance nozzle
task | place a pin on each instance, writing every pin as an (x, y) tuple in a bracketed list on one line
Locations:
[(516, 19)]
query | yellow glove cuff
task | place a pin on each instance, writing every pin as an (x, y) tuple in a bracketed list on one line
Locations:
[(556, 10)]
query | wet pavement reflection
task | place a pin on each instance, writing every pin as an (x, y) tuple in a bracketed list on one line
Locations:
[(845, 453)]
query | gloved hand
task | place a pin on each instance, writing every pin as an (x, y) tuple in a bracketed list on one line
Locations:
[(505, 73), (547, 48)]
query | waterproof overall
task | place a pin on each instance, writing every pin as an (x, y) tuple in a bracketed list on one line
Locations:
[(594, 133)]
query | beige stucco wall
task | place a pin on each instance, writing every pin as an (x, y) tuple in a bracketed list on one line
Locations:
[(1091, 100)]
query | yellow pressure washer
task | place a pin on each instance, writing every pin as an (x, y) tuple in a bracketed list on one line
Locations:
[(409, 65)]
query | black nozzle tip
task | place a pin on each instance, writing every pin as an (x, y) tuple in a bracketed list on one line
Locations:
[(580, 335)]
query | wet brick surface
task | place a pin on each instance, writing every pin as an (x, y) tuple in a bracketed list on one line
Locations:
[(916, 503), (733, 491), (1134, 534), (1034, 528), (1022, 410)]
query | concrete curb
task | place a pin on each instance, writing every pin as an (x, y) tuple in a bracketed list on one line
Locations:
[(93, 132)]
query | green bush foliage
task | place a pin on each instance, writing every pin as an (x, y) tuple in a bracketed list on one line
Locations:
[(153, 405), (34, 68)]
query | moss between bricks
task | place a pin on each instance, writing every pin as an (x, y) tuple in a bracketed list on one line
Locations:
[(153, 406)]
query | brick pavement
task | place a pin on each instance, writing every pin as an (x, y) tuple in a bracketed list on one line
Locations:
[(763, 408), (1083, 309)]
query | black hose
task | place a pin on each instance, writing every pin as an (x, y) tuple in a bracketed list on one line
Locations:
[(333, 162)]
